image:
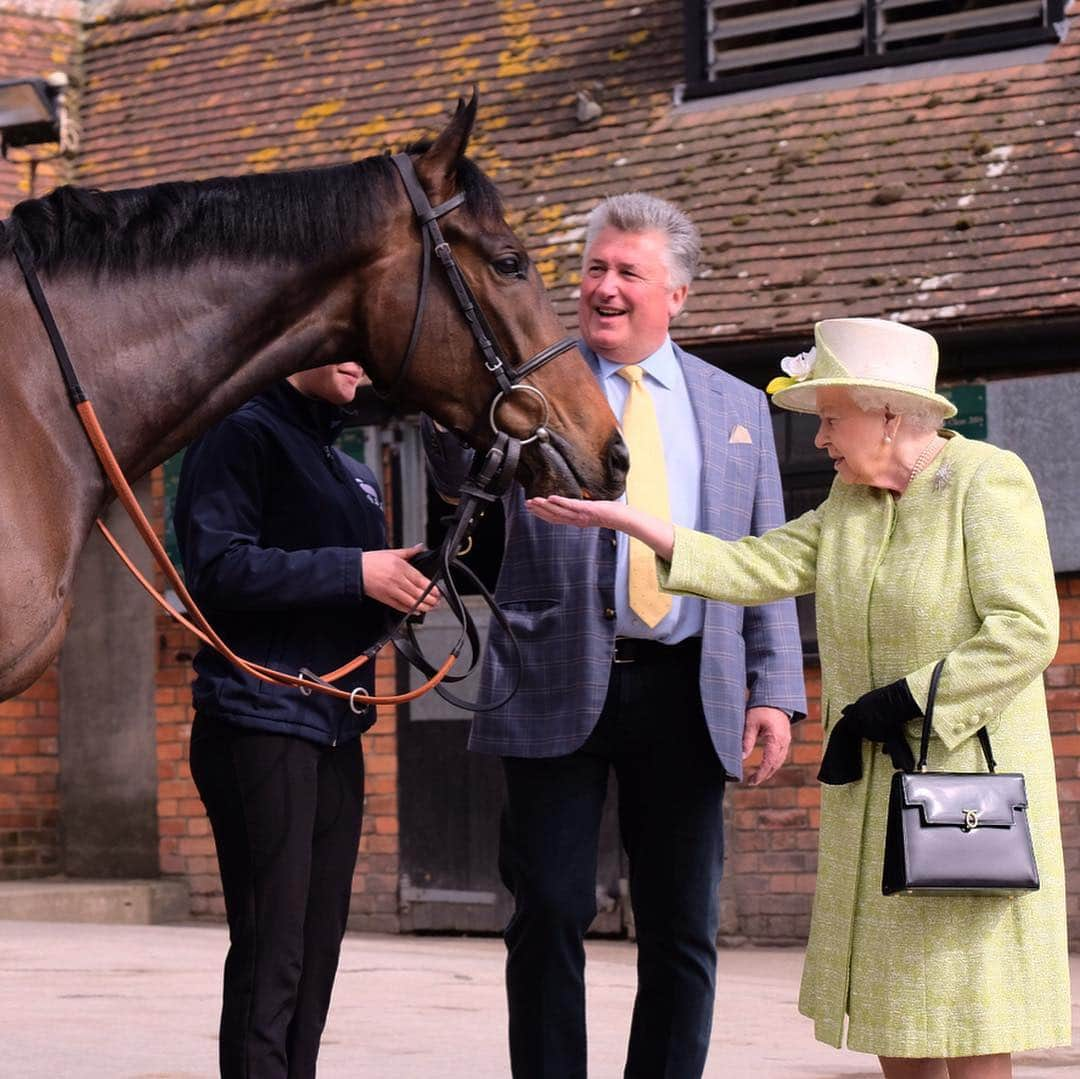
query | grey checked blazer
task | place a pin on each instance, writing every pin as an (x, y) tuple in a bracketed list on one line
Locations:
[(557, 582)]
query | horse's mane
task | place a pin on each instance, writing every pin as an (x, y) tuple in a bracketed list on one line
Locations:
[(301, 214)]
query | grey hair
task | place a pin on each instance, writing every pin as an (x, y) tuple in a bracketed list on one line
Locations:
[(917, 414), (637, 212)]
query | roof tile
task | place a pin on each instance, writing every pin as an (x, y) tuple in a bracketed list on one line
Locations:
[(928, 200)]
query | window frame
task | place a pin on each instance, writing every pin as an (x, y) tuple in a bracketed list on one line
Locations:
[(696, 42)]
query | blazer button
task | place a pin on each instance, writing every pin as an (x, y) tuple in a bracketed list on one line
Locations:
[(609, 613)]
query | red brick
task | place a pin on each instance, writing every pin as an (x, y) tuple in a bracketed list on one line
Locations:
[(37, 726), (806, 753), (1067, 745), (380, 844), (1068, 653), (782, 818), (38, 765), (18, 706), (782, 883), (1063, 699)]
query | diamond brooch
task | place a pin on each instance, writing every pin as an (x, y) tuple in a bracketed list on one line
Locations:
[(942, 477)]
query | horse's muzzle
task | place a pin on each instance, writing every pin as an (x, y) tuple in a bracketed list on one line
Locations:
[(551, 468)]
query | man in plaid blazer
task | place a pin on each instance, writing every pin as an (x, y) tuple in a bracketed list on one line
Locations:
[(673, 708)]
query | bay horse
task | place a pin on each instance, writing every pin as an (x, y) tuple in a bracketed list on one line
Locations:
[(179, 301)]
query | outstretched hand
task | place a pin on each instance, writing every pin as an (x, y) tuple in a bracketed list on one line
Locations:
[(652, 531), (390, 578), (583, 513)]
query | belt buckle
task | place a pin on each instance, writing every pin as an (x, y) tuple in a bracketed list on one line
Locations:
[(615, 655)]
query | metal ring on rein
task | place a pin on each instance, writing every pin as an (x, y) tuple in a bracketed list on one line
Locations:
[(357, 711), (539, 431)]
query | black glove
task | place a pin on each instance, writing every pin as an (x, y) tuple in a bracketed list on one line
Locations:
[(877, 716)]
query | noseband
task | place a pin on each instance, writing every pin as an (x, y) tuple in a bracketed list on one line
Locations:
[(508, 379)]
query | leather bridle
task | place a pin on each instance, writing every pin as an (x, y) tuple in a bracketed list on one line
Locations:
[(490, 477), (508, 379)]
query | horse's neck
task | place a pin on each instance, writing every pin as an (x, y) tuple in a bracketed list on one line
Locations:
[(168, 355)]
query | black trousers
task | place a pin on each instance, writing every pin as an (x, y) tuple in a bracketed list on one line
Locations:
[(286, 817), (670, 786)]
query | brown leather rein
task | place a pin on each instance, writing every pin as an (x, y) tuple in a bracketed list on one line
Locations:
[(488, 481), (198, 623)]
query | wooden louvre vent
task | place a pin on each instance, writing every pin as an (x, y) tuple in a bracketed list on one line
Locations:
[(747, 38)]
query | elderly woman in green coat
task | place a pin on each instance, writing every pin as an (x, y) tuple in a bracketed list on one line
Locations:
[(928, 546)]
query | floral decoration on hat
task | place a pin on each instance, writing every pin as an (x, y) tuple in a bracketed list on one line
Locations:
[(796, 369)]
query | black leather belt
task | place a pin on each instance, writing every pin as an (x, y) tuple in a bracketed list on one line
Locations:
[(641, 650)]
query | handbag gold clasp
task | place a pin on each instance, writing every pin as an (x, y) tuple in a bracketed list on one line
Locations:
[(971, 819)]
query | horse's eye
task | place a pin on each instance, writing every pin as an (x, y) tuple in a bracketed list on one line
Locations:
[(510, 266)]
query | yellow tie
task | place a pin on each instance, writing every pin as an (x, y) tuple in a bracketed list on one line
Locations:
[(646, 489)]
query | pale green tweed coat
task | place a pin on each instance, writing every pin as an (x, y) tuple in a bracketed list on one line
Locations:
[(957, 567)]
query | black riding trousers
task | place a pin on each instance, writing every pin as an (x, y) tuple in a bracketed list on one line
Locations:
[(286, 816)]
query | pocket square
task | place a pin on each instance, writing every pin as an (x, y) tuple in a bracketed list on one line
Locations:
[(740, 434)]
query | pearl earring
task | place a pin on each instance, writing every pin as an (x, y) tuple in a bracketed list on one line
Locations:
[(888, 439)]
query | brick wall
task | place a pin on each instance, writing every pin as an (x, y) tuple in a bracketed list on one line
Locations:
[(375, 884), (36, 37), (1063, 699), (772, 840), (772, 833), (29, 775), (374, 903), (184, 840)]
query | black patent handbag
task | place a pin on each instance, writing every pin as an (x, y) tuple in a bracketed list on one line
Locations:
[(957, 833)]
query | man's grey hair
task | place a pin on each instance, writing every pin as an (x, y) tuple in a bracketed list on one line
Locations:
[(637, 212)]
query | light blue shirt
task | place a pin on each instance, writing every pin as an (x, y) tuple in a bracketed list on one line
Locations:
[(682, 462)]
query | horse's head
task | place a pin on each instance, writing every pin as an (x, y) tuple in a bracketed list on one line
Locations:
[(426, 327)]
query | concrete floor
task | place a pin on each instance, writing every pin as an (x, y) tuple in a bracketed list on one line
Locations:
[(84, 1001)]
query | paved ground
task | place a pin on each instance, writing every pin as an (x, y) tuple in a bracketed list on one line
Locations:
[(140, 1002)]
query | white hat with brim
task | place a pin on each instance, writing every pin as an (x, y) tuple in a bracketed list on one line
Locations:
[(873, 353)]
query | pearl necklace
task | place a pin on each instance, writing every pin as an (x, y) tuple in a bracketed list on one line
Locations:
[(924, 458)]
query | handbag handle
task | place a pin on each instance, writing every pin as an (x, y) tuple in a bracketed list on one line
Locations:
[(924, 743)]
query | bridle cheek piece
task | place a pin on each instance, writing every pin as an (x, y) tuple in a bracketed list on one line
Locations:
[(508, 379)]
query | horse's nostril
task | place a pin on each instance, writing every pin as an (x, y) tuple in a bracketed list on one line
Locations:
[(618, 456)]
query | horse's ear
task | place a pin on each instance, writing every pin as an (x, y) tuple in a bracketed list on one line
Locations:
[(437, 166)]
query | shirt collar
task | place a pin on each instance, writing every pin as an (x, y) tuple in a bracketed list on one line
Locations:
[(661, 365)]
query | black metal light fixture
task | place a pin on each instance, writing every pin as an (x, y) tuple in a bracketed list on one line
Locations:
[(30, 111)]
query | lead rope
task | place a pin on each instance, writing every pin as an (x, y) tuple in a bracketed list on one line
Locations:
[(357, 698)]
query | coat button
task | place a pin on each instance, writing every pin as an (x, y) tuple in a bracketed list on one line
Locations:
[(609, 613)]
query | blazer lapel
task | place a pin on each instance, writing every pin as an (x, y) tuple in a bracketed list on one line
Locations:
[(707, 403)]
